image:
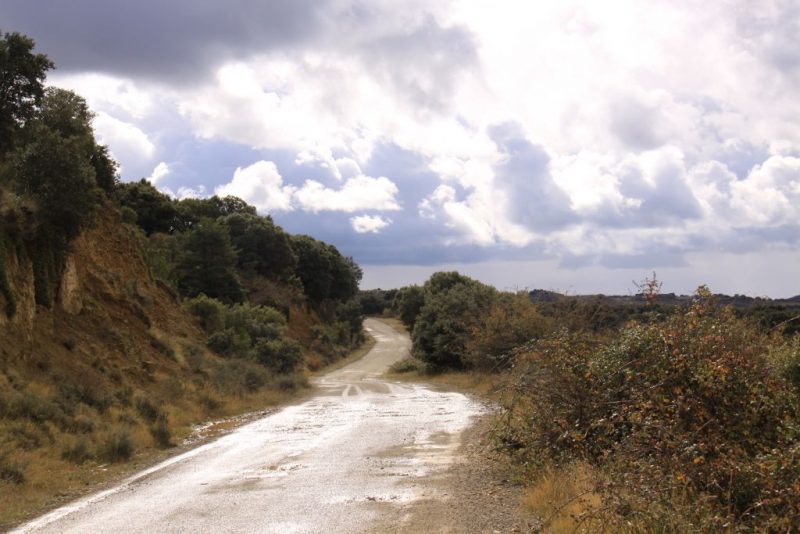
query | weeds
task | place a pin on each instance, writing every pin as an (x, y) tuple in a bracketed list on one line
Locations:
[(160, 432), (116, 446), (77, 452), (11, 470)]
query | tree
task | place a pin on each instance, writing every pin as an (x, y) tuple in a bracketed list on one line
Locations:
[(105, 169), (22, 75), (346, 276), (313, 267), (206, 264), (324, 272), (453, 306), (408, 302), (66, 113), (263, 247), (155, 211), (350, 312), (192, 210), (56, 172)]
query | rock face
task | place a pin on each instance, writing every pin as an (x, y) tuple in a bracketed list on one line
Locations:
[(20, 279), (106, 299), (69, 294)]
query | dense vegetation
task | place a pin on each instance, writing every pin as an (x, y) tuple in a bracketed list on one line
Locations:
[(648, 415)]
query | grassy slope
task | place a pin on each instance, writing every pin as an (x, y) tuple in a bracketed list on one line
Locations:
[(86, 397)]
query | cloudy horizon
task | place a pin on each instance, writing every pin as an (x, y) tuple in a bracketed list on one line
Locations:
[(552, 145)]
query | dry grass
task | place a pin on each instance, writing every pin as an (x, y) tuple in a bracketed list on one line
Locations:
[(52, 478), (563, 499)]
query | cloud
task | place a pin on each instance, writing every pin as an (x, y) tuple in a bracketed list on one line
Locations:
[(770, 195), (373, 224), (628, 130), (176, 41), (357, 194), (159, 173), (261, 185), (129, 145), (107, 93)]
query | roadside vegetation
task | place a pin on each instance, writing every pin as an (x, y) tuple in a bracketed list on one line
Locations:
[(649, 416), (127, 316)]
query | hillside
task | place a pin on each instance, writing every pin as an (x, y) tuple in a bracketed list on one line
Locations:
[(127, 316)]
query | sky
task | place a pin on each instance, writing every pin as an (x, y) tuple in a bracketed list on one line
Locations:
[(565, 145)]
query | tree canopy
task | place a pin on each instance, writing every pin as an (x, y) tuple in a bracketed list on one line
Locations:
[(22, 74), (206, 264)]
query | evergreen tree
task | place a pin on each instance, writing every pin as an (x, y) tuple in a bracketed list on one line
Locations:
[(207, 263)]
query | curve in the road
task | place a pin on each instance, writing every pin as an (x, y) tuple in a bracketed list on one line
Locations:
[(331, 464)]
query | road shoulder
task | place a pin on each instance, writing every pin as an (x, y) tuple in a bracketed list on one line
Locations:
[(475, 494)]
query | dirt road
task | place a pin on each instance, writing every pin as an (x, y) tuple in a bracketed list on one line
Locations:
[(357, 454)]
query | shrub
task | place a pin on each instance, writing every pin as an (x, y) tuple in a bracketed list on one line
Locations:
[(409, 365), (280, 355), (210, 312), (11, 469), (209, 402), (453, 307), (160, 431), (77, 452), (26, 405), (116, 446), (25, 435), (689, 406), (511, 321), (256, 322), (239, 377), (290, 382), (128, 215), (80, 424), (149, 411), (230, 343)]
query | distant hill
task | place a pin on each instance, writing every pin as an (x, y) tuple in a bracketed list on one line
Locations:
[(664, 299)]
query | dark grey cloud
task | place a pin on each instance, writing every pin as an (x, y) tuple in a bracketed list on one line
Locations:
[(182, 41), (174, 40), (535, 200)]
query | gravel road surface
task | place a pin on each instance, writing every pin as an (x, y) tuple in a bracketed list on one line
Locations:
[(359, 452)]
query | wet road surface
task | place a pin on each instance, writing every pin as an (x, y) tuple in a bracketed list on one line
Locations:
[(359, 451)]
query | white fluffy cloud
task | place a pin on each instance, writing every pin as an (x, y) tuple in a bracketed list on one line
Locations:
[(369, 224), (159, 173), (357, 194), (261, 185), (129, 144)]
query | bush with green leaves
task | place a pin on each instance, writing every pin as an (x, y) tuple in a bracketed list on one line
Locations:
[(282, 356), (210, 312), (249, 332), (453, 307)]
